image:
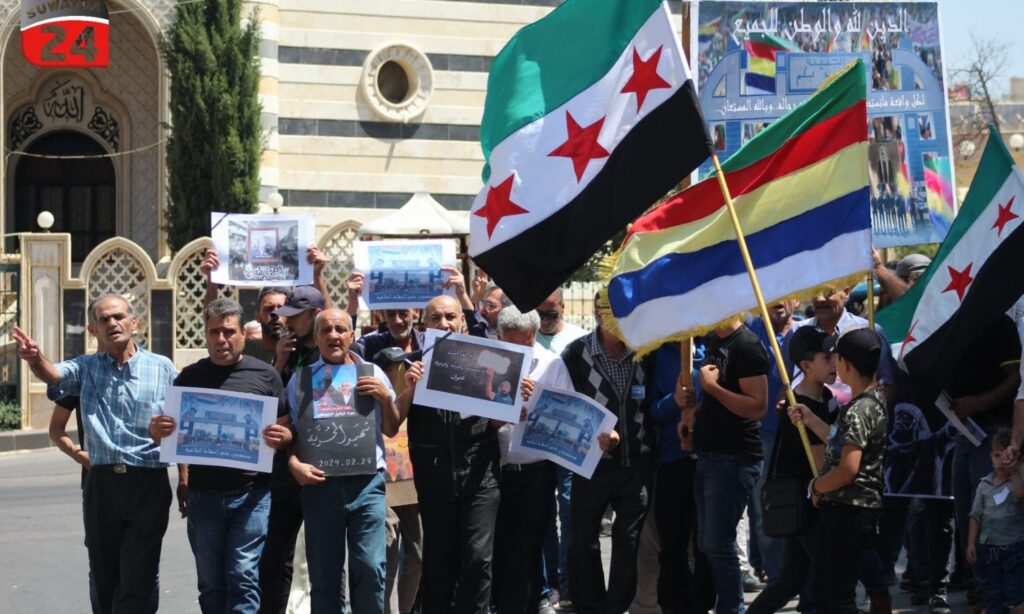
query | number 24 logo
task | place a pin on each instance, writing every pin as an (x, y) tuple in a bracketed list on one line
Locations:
[(84, 45)]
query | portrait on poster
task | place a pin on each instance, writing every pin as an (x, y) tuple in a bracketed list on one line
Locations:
[(403, 274), (219, 428), (473, 375), (336, 433), (563, 426), (256, 250)]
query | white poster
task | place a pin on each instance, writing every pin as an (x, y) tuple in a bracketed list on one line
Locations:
[(260, 250), (219, 428), (403, 274), (473, 375), (562, 426)]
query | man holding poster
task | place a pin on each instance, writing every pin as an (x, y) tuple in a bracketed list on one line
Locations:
[(339, 461), (227, 508)]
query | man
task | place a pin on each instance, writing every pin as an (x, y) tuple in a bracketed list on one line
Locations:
[(555, 333), (227, 509), (127, 495), (456, 474), (527, 486), (734, 383), (400, 333), (343, 512), (492, 304), (253, 331), (295, 348), (602, 368)]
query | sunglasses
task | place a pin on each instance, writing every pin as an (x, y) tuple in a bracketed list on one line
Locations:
[(549, 315)]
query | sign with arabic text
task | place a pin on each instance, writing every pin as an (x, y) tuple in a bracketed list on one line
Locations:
[(66, 33)]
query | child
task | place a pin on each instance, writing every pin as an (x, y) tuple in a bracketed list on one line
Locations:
[(806, 351), (995, 539), (849, 491)]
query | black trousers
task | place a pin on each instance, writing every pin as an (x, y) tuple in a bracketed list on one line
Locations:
[(844, 534), (627, 490), (527, 504), (279, 551), (126, 516), (458, 545), (797, 553), (682, 588)]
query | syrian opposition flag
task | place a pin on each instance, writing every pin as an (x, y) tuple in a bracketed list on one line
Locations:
[(591, 117), (973, 279)]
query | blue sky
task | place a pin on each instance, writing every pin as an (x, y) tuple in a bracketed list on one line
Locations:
[(1001, 19)]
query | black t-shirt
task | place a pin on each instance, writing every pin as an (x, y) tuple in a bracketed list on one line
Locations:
[(738, 356), (791, 461), (252, 376), (981, 369)]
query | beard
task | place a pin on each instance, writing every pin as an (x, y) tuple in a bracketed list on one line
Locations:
[(270, 332)]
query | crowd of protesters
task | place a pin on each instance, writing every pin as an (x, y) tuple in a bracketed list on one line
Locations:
[(684, 473)]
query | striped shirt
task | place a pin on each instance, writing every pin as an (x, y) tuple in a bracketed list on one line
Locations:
[(117, 404)]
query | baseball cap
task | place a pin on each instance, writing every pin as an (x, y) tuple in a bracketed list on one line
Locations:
[(302, 298), (912, 263), (806, 340), (859, 347)]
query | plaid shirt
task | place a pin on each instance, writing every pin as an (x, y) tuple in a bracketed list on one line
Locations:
[(619, 372), (117, 404)]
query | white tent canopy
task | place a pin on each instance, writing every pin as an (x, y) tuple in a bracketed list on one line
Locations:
[(421, 216)]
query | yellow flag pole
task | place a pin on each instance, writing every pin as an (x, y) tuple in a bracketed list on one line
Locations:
[(776, 350)]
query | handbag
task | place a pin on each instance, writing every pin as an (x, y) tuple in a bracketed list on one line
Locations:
[(784, 506)]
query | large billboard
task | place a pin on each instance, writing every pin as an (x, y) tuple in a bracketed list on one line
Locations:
[(756, 61)]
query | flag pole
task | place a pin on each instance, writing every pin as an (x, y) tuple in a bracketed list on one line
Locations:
[(776, 350), (871, 300)]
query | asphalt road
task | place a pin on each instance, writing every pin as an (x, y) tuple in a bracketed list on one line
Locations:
[(43, 565)]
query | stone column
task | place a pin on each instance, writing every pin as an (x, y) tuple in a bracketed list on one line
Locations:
[(268, 93)]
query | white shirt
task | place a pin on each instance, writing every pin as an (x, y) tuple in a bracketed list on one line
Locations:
[(548, 369), (557, 342)]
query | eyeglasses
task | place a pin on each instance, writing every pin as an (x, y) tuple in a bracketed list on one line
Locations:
[(490, 305), (549, 315)]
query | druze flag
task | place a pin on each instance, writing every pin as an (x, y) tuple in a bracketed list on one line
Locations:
[(590, 118), (975, 276)]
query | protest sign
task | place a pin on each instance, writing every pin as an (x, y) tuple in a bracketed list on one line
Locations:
[(473, 375), (919, 456), (219, 428), (400, 488), (335, 434), (755, 61), (562, 426), (260, 250), (403, 274)]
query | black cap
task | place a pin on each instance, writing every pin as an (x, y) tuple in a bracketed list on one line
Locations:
[(859, 347), (806, 341), (302, 298)]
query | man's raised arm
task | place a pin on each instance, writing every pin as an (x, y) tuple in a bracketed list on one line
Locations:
[(28, 350)]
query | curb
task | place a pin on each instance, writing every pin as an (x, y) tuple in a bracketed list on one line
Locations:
[(30, 439)]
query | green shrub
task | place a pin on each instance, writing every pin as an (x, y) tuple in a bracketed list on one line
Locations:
[(10, 416)]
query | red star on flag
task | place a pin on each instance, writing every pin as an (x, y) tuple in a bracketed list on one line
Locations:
[(1005, 216), (909, 339), (582, 145), (959, 280), (645, 77), (499, 204)]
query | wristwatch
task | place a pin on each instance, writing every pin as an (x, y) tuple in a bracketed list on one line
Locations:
[(812, 490)]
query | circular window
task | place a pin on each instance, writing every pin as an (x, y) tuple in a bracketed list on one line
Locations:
[(398, 82)]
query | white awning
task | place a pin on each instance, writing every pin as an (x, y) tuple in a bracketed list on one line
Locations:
[(421, 216)]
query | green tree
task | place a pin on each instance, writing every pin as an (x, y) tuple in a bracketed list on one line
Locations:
[(215, 142)]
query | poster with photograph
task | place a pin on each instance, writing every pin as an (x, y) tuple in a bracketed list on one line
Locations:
[(919, 456), (473, 375), (260, 250), (563, 426), (400, 487), (219, 428), (755, 61), (403, 274), (334, 434)]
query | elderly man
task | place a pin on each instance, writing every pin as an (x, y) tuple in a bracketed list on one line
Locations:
[(344, 511), (456, 474), (127, 495), (486, 325), (228, 509), (527, 485)]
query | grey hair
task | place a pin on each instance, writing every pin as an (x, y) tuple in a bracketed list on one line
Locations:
[(222, 308), (512, 320), (95, 303), (491, 287), (318, 320)]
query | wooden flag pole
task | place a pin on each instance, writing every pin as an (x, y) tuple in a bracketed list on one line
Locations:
[(776, 350), (871, 300)]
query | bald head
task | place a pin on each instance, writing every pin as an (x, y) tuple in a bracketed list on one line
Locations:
[(444, 313)]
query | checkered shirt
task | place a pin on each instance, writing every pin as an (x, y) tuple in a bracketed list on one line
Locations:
[(618, 372)]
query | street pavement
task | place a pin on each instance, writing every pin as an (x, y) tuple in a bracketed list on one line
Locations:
[(43, 565)]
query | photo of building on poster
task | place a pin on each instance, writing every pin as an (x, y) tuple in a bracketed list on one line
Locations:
[(403, 274), (563, 426), (219, 428), (257, 250), (756, 61)]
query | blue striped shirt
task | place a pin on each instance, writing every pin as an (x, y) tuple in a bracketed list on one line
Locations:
[(117, 404)]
